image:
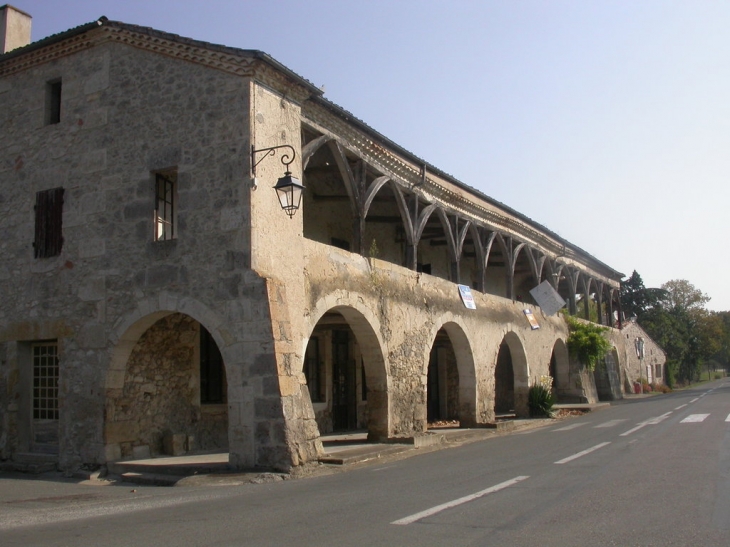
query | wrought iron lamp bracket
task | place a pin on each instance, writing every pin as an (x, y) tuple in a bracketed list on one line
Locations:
[(286, 160)]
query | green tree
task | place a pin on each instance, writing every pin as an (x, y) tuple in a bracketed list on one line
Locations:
[(636, 299)]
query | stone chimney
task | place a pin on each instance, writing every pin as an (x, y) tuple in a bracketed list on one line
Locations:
[(14, 28)]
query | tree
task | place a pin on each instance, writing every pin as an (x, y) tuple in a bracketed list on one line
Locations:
[(636, 299), (681, 293)]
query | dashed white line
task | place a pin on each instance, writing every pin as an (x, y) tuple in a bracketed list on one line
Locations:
[(695, 399), (460, 501), (650, 421), (610, 423), (728, 418), (630, 431), (582, 453), (568, 427), (694, 418), (681, 406)]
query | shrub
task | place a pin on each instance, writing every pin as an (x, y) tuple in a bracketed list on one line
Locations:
[(587, 343), (541, 398)]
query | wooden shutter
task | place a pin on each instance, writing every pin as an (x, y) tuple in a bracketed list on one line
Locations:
[(48, 223)]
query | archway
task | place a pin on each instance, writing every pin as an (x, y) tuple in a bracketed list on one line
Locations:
[(560, 370), (169, 394), (345, 373), (511, 378)]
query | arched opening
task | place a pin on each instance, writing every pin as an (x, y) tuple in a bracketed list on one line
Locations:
[(328, 209), (345, 374), (560, 370), (511, 378), (433, 255), (171, 394), (497, 266), (524, 278), (442, 390), (384, 235), (504, 382)]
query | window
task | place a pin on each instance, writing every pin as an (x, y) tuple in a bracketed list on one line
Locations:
[(45, 381), (165, 190), (212, 373), (48, 223), (314, 371), (658, 371), (53, 102)]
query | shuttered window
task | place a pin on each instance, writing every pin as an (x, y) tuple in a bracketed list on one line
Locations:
[(48, 223)]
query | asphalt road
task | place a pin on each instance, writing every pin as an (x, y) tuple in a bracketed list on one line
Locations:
[(653, 471)]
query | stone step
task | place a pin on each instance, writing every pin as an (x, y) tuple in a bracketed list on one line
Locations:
[(150, 479), (363, 453), (180, 469)]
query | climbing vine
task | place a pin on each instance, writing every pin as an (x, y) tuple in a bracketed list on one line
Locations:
[(587, 343)]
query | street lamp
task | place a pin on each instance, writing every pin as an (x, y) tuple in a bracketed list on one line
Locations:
[(639, 344), (288, 188)]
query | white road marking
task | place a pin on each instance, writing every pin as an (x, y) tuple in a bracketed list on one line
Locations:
[(695, 399), (568, 427), (650, 421), (694, 418), (460, 501), (583, 453), (728, 418), (681, 406), (610, 423), (630, 431)]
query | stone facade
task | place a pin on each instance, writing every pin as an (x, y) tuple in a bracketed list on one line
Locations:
[(368, 267), (650, 367)]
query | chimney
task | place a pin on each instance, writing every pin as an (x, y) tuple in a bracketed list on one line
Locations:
[(14, 28)]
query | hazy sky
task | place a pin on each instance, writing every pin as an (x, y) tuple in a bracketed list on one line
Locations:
[(608, 122)]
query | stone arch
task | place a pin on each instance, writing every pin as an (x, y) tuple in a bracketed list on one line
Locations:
[(178, 407), (457, 333), (560, 369), (512, 354), (130, 327), (366, 328)]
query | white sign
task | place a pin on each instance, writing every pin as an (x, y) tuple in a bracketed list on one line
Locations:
[(547, 298), (466, 297)]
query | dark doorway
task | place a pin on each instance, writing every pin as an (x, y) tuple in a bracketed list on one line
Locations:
[(442, 388), (504, 382), (344, 383)]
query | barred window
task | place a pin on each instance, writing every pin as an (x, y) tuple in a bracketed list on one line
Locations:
[(48, 223), (165, 190), (45, 381)]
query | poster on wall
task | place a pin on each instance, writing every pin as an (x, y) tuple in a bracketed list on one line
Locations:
[(534, 325), (466, 297), (547, 298)]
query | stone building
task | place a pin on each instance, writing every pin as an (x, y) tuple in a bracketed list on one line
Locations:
[(644, 359), (153, 288)]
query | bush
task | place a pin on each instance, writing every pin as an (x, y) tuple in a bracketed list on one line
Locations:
[(541, 398), (587, 343), (661, 388)]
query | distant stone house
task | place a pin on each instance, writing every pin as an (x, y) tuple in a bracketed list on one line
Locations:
[(644, 358), (156, 298)]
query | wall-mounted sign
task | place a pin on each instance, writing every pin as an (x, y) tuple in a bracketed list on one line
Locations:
[(547, 298), (534, 325), (466, 297)]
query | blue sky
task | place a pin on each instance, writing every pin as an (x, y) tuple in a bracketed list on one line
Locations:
[(608, 122)]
